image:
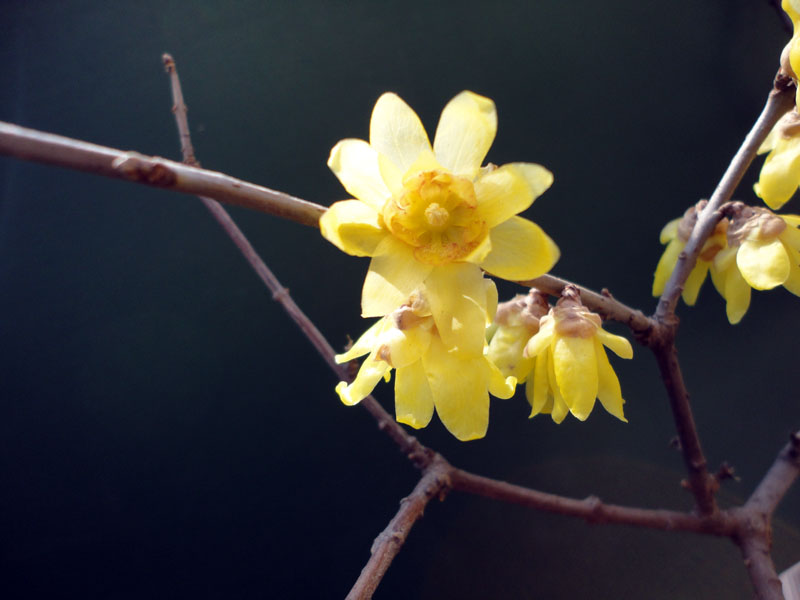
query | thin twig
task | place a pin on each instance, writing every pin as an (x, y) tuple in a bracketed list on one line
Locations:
[(777, 481), (51, 149), (434, 483)]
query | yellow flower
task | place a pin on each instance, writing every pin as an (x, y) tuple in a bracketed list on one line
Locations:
[(780, 174), (428, 375), (516, 322), (572, 368), (432, 216), (675, 234), (763, 253), (792, 8)]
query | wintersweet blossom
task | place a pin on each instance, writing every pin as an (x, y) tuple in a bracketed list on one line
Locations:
[(675, 235), (763, 252), (516, 322), (780, 174), (428, 376), (432, 216), (571, 368), (792, 8)]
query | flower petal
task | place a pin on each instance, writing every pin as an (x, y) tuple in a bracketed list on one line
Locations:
[(353, 227), (696, 278), (393, 274), (465, 132), (575, 367), (670, 231), (355, 164), (558, 409), (396, 131), (366, 343), (503, 193), (543, 338), (370, 373), (500, 386), (537, 390), (401, 348), (608, 390), (413, 399), (618, 344), (779, 179), (520, 250), (459, 389), (666, 264), (764, 265), (737, 295), (457, 295)]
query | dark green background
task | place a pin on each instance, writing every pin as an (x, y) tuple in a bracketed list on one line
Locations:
[(165, 432)]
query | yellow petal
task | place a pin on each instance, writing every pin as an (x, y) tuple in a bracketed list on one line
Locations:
[(791, 235), (737, 295), (353, 227), (465, 132), (505, 351), (543, 338), (366, 343), (370, 373), (500, 386), (503, 193), (618, 344), (491, 300), (413, 400), (780, 174), (670, 231), (575, 367), (666, 264), (457, 295), (764, 265), (520, 250), (393, 274), (404, 347), (459, 389), (608, 390), (792, 282), (558, 409), (539, 179), (355, 164), (537, 389), (696, 278), (396, 131)]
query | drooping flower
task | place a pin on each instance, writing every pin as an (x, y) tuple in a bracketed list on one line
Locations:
[(780, 174), (428, 376), (516, 322), (571, 368), (432, 216), (792, 8), (675, 235), (763, 252)]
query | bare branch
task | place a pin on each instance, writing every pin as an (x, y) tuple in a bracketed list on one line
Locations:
[(778, 479), (434, 483), (50, 149), (592, 509)]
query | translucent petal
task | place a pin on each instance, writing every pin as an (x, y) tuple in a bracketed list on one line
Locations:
[(737, 295), (501, 194), (396, 131), (608, 390), (404, 347), (491, 300), (791, 235), (575, 366), (355, 163), (393, 274), (543, 338), (457, 297), (459, 389), (618, 344), (353, 227), (696, 278), (670, 231), (413, 399), (779, 175), (370, 373), (666, 264), (500, 386), (764, 265), (792, 282), (465, 132), (520, 250), (558, 409), (366, 343), (505, 351), (791, 220), (539, 178), (538, 389)]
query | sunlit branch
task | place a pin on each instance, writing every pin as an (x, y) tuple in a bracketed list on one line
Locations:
[(37, 146), (434, 483)]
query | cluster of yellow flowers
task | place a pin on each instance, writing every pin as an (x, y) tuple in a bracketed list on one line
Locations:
[(754, 248), (433, 219)]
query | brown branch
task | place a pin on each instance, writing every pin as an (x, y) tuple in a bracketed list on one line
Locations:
[(755, 549), (51, 149), (592, 509), (602, 303), (777, 481), (434, 483)]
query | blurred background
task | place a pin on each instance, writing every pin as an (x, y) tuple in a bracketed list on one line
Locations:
[(165, 431)]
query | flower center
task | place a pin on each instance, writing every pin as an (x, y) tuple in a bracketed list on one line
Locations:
[(436, 215)]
